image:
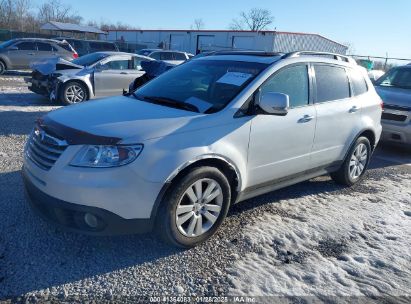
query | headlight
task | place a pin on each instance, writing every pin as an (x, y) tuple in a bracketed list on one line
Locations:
[(106, 156)]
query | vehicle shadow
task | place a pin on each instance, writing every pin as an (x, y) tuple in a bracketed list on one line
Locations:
[(18, 73), (35, 255), (8, 119), (387, 155)]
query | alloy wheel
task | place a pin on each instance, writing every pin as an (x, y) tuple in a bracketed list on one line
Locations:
[(75, 94), (199, 207), (358, 161)]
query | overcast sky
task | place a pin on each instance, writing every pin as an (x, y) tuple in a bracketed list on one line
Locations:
[(373, 27)]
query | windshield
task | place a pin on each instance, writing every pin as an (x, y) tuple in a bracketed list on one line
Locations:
[(209, 85), (6, 44), (398, 77), (89, 59)]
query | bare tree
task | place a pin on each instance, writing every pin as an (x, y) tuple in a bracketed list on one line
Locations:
[(350, 48), (257, 19), (198, 24), (54, 10), (22, 10)]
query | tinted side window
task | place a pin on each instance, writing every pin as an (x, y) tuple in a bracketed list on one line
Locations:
[(26, 46), (179, 56), (292, 81), (155, 56), (118, 64), (137, 63), (332, 83), (42, 46), (166, 56), (359, 85)]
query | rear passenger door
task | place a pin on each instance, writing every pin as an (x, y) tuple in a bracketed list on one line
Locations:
[(338, 114), (280, 146)]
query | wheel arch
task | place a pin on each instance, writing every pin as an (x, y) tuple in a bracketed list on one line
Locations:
[(224, 165)]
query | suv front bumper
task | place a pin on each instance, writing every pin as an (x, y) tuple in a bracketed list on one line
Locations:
[(71, 216)]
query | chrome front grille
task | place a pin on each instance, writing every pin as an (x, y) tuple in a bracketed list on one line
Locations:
[(44, 149)]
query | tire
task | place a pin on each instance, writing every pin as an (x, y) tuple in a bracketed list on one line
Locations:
[(184, 230), (73, 92), (355, 163), (3, 67)]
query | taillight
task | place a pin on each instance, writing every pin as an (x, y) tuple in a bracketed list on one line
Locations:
[(75, 55)]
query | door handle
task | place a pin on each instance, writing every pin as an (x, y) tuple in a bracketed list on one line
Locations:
[(306, 118), (353, 109), (30, 54), (124, 73)]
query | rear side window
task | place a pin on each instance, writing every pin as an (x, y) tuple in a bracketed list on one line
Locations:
[(166, 56), (45, 47), (65, 46), (155, 56), (332, 83), (179, 56), (292, 81), (359, 85), (26, 46), (102, 46), (137, 63)]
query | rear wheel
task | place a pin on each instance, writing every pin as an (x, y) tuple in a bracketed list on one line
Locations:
[(355, 163), (73, 92), (2, 67), (195, 207)]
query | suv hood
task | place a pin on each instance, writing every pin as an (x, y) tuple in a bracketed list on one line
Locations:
[(395, 96), (113, 120), (50, 65)]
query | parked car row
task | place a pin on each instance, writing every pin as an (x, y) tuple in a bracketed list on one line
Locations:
[(20, 53)]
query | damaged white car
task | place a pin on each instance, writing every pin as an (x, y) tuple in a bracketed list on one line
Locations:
[(94, 75)]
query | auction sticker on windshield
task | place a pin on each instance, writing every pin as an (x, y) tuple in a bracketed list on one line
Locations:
[(234, 78)]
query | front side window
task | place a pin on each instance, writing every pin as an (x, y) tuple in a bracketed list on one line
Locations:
[(359, 85), (397, 77), (209, 85), (26, 46), (137, 63), (117, 64), (332, 83), (292, 81), (155, 55)]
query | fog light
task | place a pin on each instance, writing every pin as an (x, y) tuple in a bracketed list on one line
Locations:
[(91, 220)]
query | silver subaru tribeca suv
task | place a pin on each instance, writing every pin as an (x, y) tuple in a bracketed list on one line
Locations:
[(174, 155)]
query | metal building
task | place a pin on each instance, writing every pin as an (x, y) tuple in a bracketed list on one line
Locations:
[(195, 41)]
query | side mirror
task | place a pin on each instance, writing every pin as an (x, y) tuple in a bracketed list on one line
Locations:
[(275, 103)]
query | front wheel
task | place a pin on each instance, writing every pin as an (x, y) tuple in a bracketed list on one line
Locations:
[(72, 93), (355, 163), (2, 67), (195, 207)]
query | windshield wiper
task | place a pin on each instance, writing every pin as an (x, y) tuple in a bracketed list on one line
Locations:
[(168, 101)]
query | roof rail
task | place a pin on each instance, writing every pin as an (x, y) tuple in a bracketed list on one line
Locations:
[(248, 53), (313, 53)]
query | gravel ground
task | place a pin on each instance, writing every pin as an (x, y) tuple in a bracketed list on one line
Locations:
[(38, 261)]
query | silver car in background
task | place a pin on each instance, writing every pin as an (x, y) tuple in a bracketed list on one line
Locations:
[(94, 75), (394, 89), (20, 53)]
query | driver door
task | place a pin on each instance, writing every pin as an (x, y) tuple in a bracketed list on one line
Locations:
[(113, 75), (280, 146)]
